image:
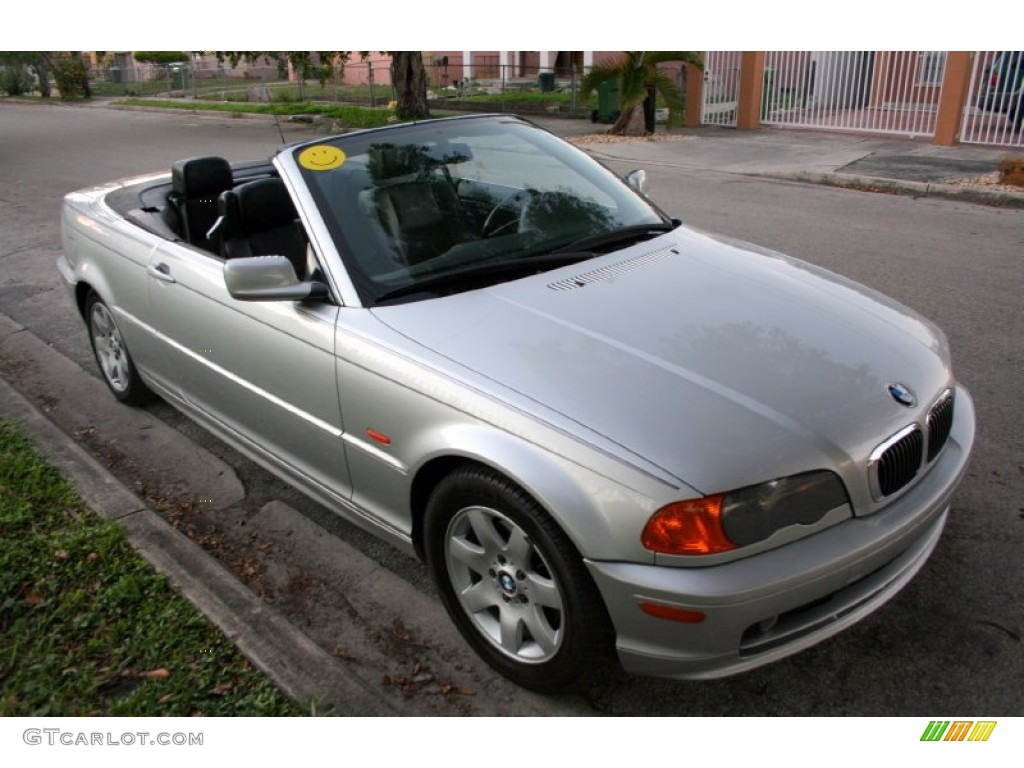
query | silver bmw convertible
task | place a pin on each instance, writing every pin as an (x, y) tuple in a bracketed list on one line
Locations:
[(604, 432)]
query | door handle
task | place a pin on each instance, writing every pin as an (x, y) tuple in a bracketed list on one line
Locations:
[(161, 272)]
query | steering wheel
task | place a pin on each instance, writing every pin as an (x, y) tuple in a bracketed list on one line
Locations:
[(493, 226)]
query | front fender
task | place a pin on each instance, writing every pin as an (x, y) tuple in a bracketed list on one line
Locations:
[(407, 424), (601, 517)]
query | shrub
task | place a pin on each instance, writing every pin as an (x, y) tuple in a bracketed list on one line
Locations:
[(15, 80), (72, 77), (161, 57), (1011, 171)]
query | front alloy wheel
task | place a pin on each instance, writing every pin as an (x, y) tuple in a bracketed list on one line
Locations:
[(512, 582), (504, 584)]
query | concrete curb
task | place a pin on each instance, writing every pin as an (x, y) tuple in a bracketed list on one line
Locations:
[(213, 113), (297, 665), (994, 198), (336, 628)]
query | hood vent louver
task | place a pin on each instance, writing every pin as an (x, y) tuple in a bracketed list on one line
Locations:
[(612, 270)]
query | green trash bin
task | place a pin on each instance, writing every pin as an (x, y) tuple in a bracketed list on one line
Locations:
[(546, 80), (607, 103)]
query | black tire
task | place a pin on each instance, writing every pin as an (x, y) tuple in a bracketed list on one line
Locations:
[(115, 364), (513, 583)]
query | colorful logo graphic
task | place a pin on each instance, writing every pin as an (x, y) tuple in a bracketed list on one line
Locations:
[(958, 730)]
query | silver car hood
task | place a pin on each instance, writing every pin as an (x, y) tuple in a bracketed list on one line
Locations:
[(721, 363)]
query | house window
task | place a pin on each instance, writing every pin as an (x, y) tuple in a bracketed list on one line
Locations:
[(931, 65)]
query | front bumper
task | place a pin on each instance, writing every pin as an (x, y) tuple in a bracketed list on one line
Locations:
[(774, 604)]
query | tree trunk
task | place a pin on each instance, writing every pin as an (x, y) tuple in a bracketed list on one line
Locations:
[(630, 122), (84, 79), (43, 75), (410, 81), (649, 107)]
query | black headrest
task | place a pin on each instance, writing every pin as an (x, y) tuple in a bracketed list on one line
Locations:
[(201, 177), (264, 204)]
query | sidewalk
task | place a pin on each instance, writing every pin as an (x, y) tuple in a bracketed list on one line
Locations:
[(327, 622), (858, 161)]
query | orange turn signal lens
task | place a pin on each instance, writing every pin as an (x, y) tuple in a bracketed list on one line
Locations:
[(692, 527), (379, 437)]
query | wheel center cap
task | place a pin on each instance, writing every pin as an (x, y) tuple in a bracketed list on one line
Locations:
[(507, 583)]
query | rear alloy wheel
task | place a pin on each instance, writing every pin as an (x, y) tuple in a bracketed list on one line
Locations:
[(112, 355), (512, 582)]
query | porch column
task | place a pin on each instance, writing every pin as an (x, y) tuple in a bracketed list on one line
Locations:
[(748, 101), (546, 63), (956, 84), (504, 59), (467, 64)]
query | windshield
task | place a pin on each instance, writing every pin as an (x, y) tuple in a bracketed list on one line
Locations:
[(428, 209)]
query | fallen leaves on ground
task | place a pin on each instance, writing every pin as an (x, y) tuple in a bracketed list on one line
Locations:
[(986, 181), (607, 138), (447, 689)]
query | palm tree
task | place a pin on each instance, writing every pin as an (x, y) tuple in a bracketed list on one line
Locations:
[(639, 79)]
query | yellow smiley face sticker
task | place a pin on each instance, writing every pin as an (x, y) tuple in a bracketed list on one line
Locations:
[(322, 157)]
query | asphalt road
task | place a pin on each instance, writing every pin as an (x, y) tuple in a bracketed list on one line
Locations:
[(949, 644)]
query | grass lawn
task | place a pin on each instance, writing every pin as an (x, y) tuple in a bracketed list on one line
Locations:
[(522, 97), (89, 628)]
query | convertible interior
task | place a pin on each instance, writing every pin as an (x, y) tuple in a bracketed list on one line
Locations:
[(414, 215), (227, 212), (419, 213)]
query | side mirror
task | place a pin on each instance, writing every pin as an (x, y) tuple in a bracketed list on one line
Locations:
[(637, 180), (268, 278)]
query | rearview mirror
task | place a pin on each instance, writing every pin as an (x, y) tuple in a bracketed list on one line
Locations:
[(268, 278)]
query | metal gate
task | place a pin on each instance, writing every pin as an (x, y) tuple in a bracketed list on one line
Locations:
[(995, 104), (894, 92), (721, 88)]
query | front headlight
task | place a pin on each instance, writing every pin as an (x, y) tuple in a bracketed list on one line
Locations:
[(742, 517)]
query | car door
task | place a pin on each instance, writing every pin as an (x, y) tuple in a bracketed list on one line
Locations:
[(261, 372)]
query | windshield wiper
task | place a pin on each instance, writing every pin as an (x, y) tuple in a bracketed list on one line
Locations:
[(619, 237), (482, 274)]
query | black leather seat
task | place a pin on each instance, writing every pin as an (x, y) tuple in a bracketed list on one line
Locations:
[(259, 219), (196, 185), (415, 203)]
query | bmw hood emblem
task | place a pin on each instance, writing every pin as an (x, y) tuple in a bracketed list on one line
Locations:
[(902, 395)]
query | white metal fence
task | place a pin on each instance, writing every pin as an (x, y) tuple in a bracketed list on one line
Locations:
[(894, 92), (721, 88), (994, 110)]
